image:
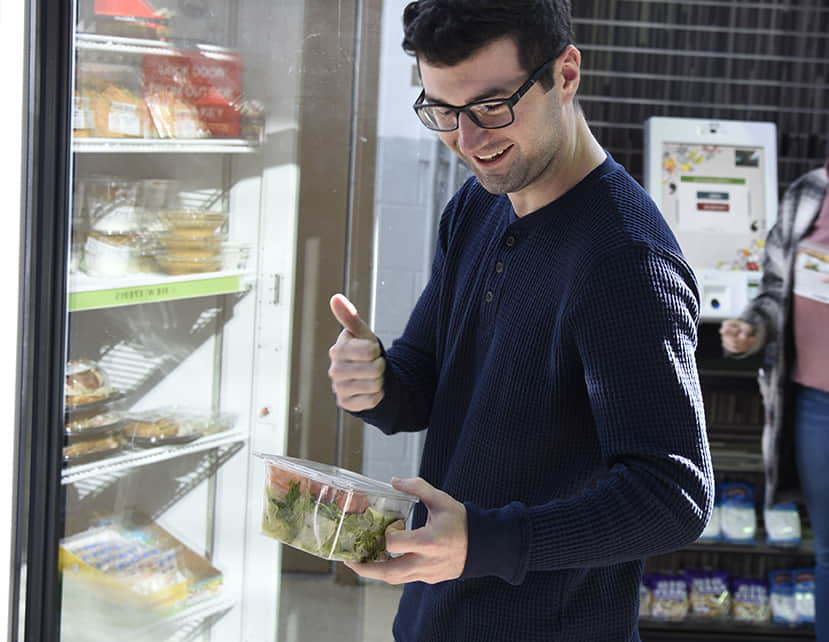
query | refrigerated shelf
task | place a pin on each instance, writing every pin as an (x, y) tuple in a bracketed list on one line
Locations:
[(189, 622), (141, 46), (90, 293), (164, 145), (133, 458)]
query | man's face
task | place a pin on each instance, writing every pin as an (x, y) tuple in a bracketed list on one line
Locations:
[(513, 158)]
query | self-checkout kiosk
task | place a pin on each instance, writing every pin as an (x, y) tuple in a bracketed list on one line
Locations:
[(715, 182)]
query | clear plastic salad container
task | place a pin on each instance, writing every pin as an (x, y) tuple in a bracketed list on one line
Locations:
[(328, 511)]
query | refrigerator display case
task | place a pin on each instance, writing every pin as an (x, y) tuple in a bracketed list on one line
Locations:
[(162, 228), (171, 279)]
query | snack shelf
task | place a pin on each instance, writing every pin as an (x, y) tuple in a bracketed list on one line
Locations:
[(134, 458), (694, 629), (164, 145), (806, 548), (88, 293)]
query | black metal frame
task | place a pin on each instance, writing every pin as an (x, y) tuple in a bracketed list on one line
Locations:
[(39, 501)]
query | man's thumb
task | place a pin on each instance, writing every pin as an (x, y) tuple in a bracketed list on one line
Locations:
[(346, 314)]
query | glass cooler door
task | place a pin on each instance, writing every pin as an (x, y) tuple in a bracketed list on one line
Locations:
[(182, 245)]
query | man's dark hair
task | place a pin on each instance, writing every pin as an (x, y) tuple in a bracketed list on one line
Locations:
[(446, 32)]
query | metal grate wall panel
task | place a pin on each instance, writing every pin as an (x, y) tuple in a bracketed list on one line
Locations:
[(726, 59)]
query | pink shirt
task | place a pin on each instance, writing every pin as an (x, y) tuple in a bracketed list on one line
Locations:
[(811, 321)]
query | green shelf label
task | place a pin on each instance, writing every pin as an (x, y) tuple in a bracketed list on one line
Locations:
[(152, 293)]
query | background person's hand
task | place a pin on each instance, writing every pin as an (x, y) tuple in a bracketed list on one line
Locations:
[(357, 368), (737, 336), (436, 552)]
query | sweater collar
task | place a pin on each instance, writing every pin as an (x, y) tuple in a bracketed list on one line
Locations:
[(576, 193)]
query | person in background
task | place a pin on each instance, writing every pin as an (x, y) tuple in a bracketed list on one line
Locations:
[(789, 317), (550, 356)]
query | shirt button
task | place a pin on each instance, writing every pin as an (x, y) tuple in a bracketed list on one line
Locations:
[(499, 267), (510, 241), (489, 296)]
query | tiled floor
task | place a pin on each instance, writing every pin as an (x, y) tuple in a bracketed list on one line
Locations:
[(315, 608)]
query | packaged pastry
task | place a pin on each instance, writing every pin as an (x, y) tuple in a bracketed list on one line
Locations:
[(669, 597), (192, 223), (91, 449), (112, 255), (87, 426), (708, 595), (183, 247), (750, 601), (188, 265), (84, 383), (159, 428), (174, 117), (112, 204), (118, 113)]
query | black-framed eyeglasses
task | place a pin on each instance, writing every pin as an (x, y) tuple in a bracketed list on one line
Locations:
[(493, 113)]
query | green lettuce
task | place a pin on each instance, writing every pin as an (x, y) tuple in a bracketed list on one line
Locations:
[(297, 518)]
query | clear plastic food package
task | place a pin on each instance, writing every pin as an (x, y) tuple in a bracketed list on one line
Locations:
[(328, 511)]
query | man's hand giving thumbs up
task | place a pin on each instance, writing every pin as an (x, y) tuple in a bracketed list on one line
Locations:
[(357, 367)]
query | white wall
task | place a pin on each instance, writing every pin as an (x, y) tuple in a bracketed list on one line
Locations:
[(396, 118)]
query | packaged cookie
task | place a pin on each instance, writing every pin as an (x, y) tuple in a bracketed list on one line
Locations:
[(708, 593), (669, 597), (750, 601)]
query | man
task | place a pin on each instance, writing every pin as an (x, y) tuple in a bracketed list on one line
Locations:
[(551, 355)]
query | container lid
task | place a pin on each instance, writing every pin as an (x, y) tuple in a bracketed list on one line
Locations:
[(336, 476)]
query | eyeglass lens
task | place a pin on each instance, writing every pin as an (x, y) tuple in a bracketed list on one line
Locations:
[(488, 115)]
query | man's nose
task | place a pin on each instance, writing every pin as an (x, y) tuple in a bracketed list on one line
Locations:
[(470, 135)]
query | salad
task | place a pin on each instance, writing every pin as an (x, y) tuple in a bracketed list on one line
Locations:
[(330, 512)]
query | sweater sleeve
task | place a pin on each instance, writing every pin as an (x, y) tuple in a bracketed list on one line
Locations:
[(634, 325)]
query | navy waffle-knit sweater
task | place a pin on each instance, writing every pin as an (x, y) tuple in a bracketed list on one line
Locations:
[(552, 359)]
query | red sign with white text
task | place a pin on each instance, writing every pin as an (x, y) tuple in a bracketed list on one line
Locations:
[(194, 94)]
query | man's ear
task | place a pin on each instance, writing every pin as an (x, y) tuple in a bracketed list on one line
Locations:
[(570, 73)]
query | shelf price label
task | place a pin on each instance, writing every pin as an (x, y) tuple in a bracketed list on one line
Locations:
[(151, 293)]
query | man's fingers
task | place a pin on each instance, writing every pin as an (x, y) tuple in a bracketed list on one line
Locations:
[(427, 493), (348, 317)]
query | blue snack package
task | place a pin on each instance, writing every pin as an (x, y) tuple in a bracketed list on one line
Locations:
[(669, 597), (708, 593), (804, 595), (738, 514), (750, 600), (782, 525), (781, 597)]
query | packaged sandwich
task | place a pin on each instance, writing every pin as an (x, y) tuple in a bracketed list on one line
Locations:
[(85, 383)]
